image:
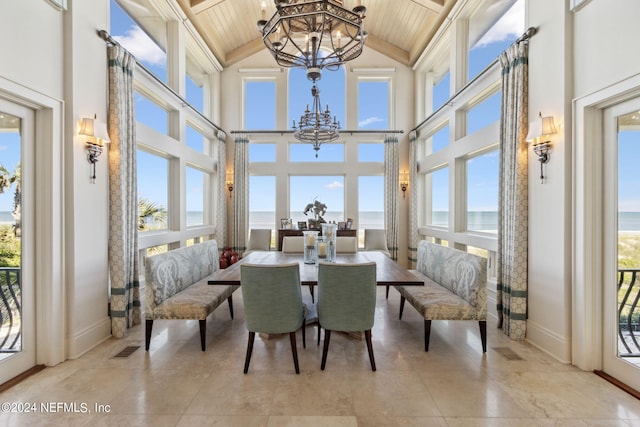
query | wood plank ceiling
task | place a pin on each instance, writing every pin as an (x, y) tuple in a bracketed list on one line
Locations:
[(399, 29)]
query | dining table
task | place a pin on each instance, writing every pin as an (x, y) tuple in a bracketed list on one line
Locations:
[(388, 272)]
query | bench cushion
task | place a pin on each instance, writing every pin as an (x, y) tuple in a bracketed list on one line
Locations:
[(462, 273), (435, 302), (195, 302)]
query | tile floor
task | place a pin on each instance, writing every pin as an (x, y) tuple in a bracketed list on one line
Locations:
[(454, 384)]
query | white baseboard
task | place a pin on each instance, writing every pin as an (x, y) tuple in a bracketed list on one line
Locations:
[(89, 337)]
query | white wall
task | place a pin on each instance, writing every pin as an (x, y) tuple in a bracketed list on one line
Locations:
[(58, 56)]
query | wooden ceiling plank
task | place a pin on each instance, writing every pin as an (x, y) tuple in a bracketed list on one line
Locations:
[(199, 6), (433, 5)]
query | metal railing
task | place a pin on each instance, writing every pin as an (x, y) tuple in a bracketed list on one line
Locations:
[(10, 310), (628, 312)]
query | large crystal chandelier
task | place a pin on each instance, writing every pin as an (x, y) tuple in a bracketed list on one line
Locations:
[(300, 28), (316, 126)]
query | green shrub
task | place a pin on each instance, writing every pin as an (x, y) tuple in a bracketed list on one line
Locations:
[(9, 247)]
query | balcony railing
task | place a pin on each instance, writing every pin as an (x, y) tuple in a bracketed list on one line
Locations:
[(10, 314), (629, 312)]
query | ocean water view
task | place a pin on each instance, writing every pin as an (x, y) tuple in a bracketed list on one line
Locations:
[(627, 221)]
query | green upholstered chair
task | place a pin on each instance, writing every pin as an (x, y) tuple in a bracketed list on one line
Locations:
[(272, 303), (347, 301), (376, 240)]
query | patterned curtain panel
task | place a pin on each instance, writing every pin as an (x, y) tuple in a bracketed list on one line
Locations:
[(391, 188), (123, 198), (413, 202), (240, 193), (513, 196), (221, 193)]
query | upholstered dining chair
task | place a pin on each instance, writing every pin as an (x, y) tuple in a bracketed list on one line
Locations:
[(259, 240), (293, 244), (346, 245), (376, 240), (272, 303), (346, 302)]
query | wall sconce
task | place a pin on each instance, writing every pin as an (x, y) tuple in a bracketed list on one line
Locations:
[(404, 183), (540, 135), (230, 182), (97, 135)]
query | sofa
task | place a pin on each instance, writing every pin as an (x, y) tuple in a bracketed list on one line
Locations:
[(455, 288), (176, 287)]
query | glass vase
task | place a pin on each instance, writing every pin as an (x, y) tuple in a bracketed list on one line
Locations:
[(329, 232), (310, 254)]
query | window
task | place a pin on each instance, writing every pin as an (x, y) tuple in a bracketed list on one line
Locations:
[(332, 93), (262, 202), (370, 203), (488, 41), (195, 94), (439, 197), (153, 182), (373, 104), (482, 192), (151, 114), (260, 104), (326, 189), (195, 197), (370, 152), (126, 31), (439, 140), (440, 92), (484, 113), (195, 139), (329, 152), (262, 152)]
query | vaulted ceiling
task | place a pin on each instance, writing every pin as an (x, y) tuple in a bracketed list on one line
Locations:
[(400, 29)]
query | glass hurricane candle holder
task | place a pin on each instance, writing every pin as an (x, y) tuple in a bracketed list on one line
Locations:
[(329, 232), (310, 254), (322, 249)]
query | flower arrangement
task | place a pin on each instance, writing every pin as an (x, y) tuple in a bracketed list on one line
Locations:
[(317, 208)]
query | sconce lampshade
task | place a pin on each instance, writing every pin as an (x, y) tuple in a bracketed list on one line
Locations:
[(539, 130), (94, 129)]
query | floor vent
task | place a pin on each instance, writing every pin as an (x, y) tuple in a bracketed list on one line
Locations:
[(507, 353), (126, 352)]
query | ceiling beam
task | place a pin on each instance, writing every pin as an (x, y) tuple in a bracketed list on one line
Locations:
[(433, 5), (388, 49), (199, 6), (244, 51)]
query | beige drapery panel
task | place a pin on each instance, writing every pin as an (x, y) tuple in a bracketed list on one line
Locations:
[(513, 195)]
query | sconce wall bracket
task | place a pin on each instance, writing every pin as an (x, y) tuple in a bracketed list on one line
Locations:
[(93, 152)]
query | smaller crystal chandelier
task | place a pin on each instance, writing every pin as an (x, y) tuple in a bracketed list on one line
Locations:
[(316, 126), (299, 29)]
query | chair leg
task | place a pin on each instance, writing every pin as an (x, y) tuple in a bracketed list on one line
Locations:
[(247, 359), (401, 306), (427, 333), (230, 301), (367, 337), (325, 349), (147, 333), (483, 334), (304, 333), (311, 292), (294, 350), (387, 292), (319, 329), (203, 333)]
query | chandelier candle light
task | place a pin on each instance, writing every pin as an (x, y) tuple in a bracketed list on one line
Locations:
[(316, 127)]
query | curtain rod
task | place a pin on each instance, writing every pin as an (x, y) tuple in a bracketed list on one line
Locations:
[(282, 132), (110, 40), (524, 37)]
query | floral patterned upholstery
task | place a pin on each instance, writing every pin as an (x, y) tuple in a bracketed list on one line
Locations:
[(455, 287), (176, 285)]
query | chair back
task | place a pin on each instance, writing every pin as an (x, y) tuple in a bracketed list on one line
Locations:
[(346, 296), (346, 245), (375, 240), (293, 244), (272, 297), (259, 239)]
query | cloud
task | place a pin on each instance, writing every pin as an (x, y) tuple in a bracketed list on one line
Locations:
[(3, 148), (369, 120), (333, 185), (141, 46), (509, 25)]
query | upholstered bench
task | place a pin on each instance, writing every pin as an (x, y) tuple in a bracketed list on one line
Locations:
[(455, 288), (176, 287)]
